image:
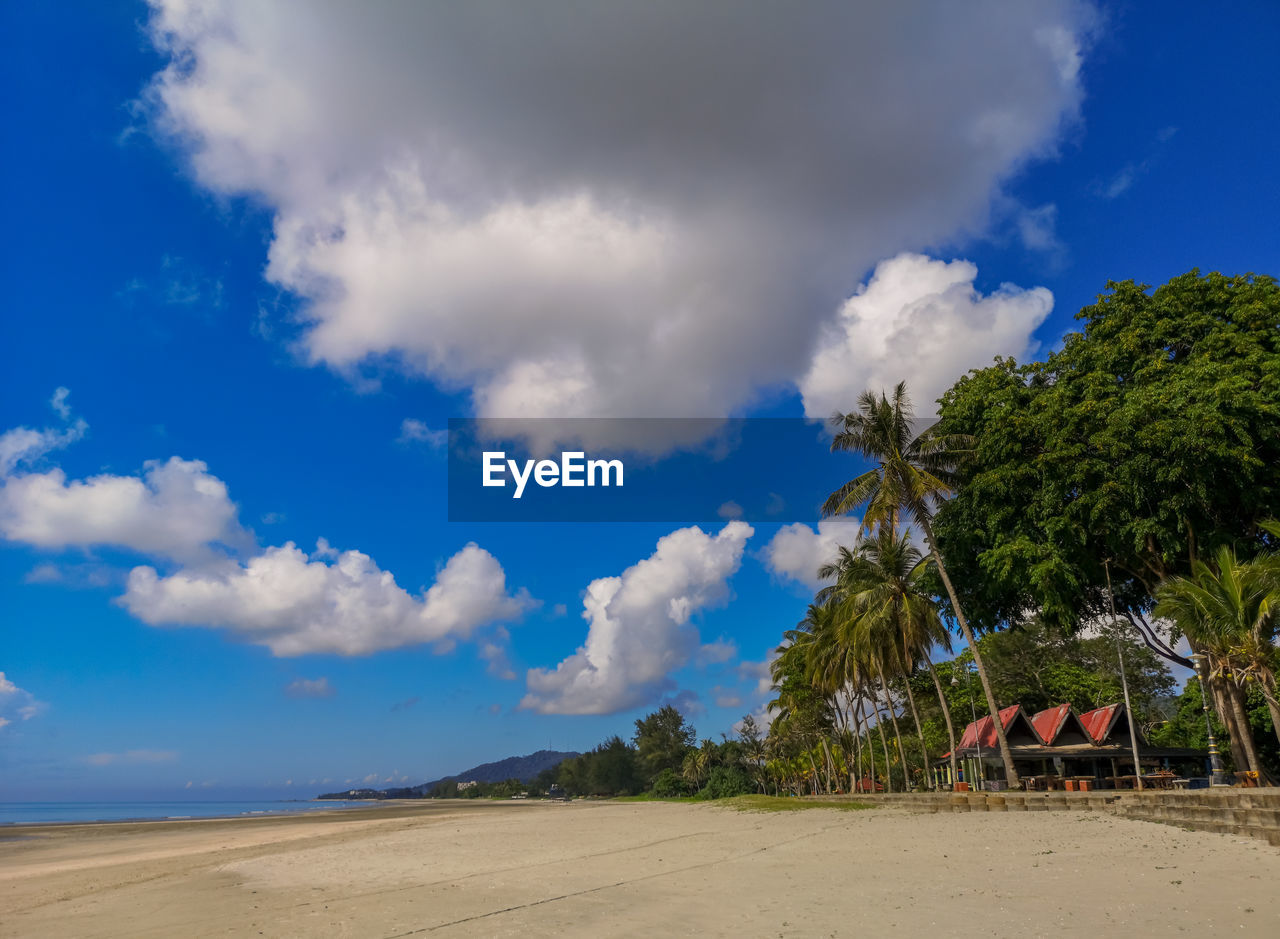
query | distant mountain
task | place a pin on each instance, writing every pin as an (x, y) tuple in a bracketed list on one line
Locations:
[(523, 768)]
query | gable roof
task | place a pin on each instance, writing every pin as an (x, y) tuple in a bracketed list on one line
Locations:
[(1107, 724), (982, 732), (1060, 725)]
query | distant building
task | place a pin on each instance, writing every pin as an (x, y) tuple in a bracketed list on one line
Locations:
[(466, 785)]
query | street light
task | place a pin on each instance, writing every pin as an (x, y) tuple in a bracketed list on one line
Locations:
[(1217, 776)]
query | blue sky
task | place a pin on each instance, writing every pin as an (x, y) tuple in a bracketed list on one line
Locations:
[(251, 249)]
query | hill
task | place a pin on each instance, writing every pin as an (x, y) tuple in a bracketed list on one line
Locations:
[(523, 768)]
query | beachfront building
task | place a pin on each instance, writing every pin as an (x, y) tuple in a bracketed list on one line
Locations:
[(1063, 749)]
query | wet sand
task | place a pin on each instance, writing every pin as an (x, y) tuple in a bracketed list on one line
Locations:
[(591, 869)]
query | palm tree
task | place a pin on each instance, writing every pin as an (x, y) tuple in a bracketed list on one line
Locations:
[(1229, 609), (913, 472), (881, 586)]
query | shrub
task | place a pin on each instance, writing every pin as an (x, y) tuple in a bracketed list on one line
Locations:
[(669, 784), (726, 781)]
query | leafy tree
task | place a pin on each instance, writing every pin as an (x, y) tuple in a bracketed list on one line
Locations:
[(913, 473), (669, 784), (726, 781), (662, 739), (753, 748), (1151, 438)]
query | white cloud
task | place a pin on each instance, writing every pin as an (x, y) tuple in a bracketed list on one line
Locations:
[(24, 445), (923, 321), (16, 704), (176, 509), (726, 698), (493, 651), (297, 605), (729, 510), (132, 757), (1038, 228), (608, 209), (640, 625), (310, 688), (718, 652), (415, 431), (59, 402), (797, 551)]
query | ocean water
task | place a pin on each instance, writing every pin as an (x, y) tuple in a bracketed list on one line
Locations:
[(32, 813)]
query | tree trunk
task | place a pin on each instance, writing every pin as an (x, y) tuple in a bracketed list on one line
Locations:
[(1242, 724), (888, 777), (1010, 773), (897, 736), (1274, 707), (855, 764), (946, 714), (924, 751), (1228, 720)]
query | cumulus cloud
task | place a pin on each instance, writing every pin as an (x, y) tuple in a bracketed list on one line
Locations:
[(346, 605), (640, 625), (612, 208), (797, 551), (16, 704), (919, 319), (310, 688), (175, 509)]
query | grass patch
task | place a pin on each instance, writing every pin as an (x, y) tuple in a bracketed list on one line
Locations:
[(786, 804), (755, 803)]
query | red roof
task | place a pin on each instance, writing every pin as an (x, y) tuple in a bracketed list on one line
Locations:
[(1049, 723), (1098, 721), (983, 732)]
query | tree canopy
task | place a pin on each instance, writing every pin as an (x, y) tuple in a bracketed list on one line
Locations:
[(1149, 439)]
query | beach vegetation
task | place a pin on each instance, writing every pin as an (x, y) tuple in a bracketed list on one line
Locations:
[(1135, 469)]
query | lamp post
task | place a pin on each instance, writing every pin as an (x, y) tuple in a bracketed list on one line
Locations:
[(981, 776), (1217, 776)]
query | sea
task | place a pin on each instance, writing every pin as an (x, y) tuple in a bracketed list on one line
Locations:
[(39, 813)]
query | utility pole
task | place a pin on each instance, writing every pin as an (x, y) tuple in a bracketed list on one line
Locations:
[(1124, 680)]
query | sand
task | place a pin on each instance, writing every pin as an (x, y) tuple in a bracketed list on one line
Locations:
[(653, 869)]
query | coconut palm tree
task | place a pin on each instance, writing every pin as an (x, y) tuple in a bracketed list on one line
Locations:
[(1229, 608), (914, 472), (881, 586)]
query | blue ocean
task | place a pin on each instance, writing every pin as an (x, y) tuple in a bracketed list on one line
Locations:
[(34, 813)]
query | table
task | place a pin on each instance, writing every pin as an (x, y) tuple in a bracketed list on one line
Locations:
[(1123, 782)]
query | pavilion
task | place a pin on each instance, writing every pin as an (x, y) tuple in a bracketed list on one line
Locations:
[(1058, 741)]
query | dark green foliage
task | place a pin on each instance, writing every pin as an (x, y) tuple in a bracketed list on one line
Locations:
[(1151, 437), (1039, 666), (670, 785), (1185, 727), (726, 781), (662, 739)]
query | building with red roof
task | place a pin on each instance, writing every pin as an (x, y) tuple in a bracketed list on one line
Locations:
[(1058, 742)]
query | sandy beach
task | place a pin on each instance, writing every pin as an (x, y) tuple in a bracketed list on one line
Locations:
[(591, 869)]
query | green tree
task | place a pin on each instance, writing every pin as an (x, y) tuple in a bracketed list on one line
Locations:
[(1151, 438), (1228, 609), (883, 604), (912, 475), (662, 739)]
